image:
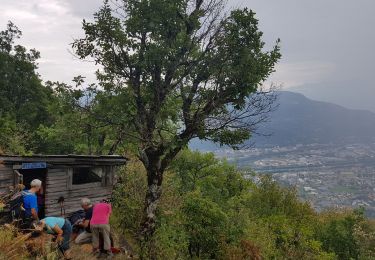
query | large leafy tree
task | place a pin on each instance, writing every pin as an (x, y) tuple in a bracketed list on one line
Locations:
[(177, 70), (23, 98)]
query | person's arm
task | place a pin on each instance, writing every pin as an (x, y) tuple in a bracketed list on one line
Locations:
[(34, 206), (34, 213), (41, 226), (59, 233), (85, 223)]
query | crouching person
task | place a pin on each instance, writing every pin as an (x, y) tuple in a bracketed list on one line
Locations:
[(100, 226), (62, 229), (85, 236)]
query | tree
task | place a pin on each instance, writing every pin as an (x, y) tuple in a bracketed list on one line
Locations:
[(183, 69), (23, 98), (73, 130)]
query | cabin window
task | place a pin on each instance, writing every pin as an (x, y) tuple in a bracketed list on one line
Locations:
[(85, 175)]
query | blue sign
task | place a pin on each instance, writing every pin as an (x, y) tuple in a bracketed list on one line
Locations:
[(34, 165)]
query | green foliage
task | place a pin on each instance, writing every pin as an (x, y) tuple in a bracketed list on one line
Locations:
[(129, 197), (50, 118), (211, 211), (159, 56), (347, 234), (24, 100), (364, 233), (205, 224)]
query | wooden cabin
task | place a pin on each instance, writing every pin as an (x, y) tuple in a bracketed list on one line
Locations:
[(69, 176)]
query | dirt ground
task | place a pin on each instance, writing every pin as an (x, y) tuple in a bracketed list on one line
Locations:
[(84, 252)]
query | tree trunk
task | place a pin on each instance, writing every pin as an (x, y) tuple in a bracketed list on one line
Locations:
[(154, 191), (155, 167)]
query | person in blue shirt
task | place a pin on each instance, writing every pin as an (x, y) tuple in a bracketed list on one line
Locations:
[(30, 202), (61, 228)]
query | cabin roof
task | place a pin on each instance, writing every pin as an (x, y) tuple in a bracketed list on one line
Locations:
[(70, 159)]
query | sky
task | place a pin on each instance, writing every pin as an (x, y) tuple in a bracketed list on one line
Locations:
[(327, 45)]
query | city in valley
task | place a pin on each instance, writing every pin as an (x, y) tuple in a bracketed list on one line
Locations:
[(328, 176)]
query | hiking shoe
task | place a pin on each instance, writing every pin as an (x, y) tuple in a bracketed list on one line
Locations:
[(108, 255)]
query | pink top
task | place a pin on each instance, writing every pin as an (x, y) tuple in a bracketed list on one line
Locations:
[(100, 214)]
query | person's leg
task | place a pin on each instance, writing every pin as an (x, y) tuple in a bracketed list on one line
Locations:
[(106, 230), (67, 232), (84, 237), (112, 241), (95, 236), (101, 243)]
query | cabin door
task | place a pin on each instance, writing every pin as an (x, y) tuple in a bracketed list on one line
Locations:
[(29, 172)]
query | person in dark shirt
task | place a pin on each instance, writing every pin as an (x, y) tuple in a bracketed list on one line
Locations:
[(41, 203), (85, 236)]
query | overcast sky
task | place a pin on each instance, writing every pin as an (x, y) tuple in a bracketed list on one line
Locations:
[(327, 45)]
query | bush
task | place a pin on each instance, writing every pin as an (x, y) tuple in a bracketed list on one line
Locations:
[(347, 233)]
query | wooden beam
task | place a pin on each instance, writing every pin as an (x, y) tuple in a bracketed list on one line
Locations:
[(69, 179)]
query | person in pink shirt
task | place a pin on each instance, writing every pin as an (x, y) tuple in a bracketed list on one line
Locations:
[(100, 225)]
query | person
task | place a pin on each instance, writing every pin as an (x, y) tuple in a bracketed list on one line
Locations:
[(85, 236), (100, 226), (30, 203), (61, 228), (41, 202)]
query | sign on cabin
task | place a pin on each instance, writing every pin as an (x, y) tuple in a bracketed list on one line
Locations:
[(34, 165)]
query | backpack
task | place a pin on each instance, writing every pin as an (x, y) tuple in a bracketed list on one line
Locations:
[(15, 205), (75, 218)]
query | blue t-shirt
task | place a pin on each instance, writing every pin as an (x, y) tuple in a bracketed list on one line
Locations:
[(51, 222), (30, 201)]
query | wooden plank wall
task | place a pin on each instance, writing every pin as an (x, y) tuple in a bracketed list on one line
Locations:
[(57, 186), (6, 177)]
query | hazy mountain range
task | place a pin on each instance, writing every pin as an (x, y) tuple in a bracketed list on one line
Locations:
[(299, 120)]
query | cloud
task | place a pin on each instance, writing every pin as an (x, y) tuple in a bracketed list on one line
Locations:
[(328, 43), (50, 26), (295, 74)]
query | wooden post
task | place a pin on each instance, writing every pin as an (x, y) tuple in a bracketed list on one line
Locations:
[(69, 181), (18, 178)]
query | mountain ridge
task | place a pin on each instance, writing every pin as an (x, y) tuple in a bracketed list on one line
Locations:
[(300, 120)]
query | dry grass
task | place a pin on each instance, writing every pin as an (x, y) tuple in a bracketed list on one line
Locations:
[(15, 245), (12, 244)]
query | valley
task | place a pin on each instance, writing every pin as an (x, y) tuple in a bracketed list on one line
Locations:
[(328, 176)]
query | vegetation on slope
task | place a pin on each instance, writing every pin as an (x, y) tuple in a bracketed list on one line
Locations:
[(211, 211)]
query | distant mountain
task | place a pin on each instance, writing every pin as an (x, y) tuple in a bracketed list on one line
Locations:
[(299, 120)]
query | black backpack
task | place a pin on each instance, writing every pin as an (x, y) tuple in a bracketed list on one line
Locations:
[(15, 205)]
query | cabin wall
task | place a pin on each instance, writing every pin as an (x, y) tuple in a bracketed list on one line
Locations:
[(6, 177), (58, 183)]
